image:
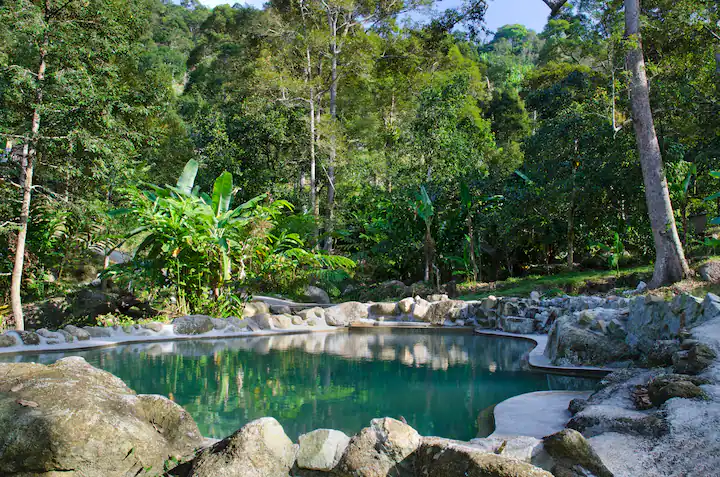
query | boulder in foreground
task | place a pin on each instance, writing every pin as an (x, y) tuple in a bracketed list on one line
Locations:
[(259, 449), (74, 420)]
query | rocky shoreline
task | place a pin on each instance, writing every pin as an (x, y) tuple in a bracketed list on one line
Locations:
[(658, 414)]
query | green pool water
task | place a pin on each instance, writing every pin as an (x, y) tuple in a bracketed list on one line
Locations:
[(439, 382)]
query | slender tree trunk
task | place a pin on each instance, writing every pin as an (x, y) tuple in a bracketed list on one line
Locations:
[(571, 213), (471, 237), (313, 173), (28, 168), (670, 263), (332, 23), (428, 246)]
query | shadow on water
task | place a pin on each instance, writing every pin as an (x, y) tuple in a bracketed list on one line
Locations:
[(439, 382)]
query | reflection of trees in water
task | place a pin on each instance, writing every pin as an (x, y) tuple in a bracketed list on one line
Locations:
[(439, 382)]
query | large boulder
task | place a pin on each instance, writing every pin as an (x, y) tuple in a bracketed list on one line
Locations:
[(406, 305), (569, 342), (313, 294), (668, 386), (7, 340), (264, 321), (321, 449), (516, 324), (440, 311), (710, 271), (573, 455), (192, 325), (378, 449), (282, 322), (346, 313), (78, 333), (438, 457), (74, 420), (694, 360), (259, 449), (383, 309), (29, 337)]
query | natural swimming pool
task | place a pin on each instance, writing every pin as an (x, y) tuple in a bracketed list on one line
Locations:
[(438, 381)]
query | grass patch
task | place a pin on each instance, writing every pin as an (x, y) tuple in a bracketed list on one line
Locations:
[(566, 282)]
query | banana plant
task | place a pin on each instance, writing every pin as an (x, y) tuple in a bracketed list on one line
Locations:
[(199, 244)]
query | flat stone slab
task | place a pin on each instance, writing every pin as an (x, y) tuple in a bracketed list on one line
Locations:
[(537, 414)]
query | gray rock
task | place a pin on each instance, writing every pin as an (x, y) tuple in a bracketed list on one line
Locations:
[(252, 324), (68, 337), (694, 360), (296, 320), (280, 310), (661, 353), (7, 340), (666, 387), (321, 449), (515, 324), (535, 295), (489, 303), (98, 427), (710, 271), (259, 449), (569, 342), (98, 331), (383, 309), (377, 449), (313, 294), (29, 337), (346, 313), (219, 323), (438, 457), (51, 337), (192, 325), (573, 455), (711, 307), (524, 448), (78, 333), (264, 321), (440, 311)]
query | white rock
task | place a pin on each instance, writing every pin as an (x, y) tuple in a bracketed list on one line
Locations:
[(321, 449)]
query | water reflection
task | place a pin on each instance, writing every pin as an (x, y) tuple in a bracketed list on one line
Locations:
[(439, 382)]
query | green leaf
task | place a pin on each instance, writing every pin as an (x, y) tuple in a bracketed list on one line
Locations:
[(187, 178), (222, 193), (120, 211)]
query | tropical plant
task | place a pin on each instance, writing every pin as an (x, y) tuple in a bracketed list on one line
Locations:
[(614, 252), (205, 250), (425, 210)]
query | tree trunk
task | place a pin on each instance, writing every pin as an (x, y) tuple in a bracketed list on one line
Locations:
[(471, 237), (428, 254), (27, 168), (571, 212), (670, 263), (332, 23), (313, 173)]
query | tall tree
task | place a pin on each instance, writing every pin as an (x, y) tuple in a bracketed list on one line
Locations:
[(670, 263), (71, 83)]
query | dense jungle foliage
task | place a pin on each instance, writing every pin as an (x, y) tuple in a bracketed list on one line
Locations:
[(370, 147)]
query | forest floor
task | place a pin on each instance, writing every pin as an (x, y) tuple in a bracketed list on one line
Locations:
[(584, 282)]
